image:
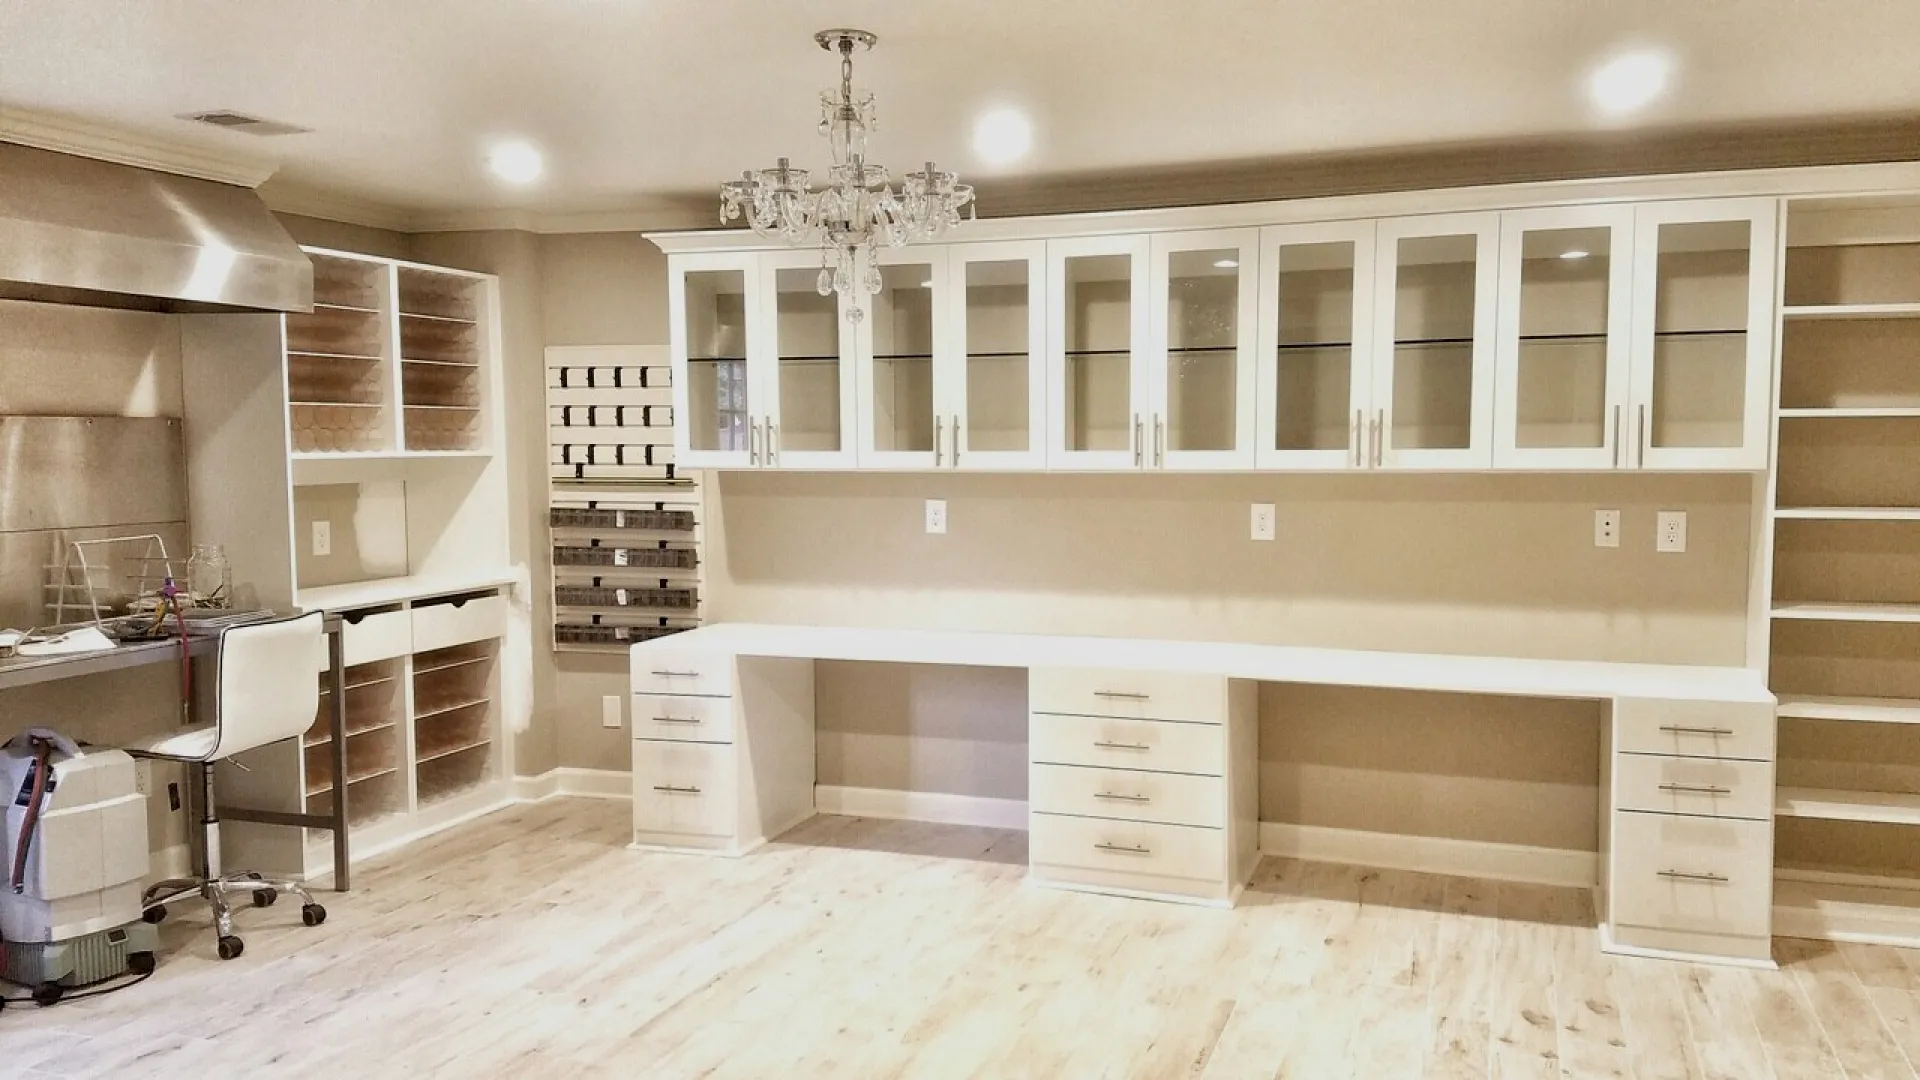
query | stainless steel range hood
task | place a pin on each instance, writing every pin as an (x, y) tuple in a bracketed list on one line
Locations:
[(74, 230)]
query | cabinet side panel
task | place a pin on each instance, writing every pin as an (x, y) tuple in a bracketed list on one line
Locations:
[(775, 744), (1243, 778)]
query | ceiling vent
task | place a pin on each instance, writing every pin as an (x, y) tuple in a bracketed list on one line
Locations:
[(252, 125)]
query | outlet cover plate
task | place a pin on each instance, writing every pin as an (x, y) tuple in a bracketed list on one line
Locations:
[(1670, 531), (1263, 521), (322, 538), (1606, 528), (610, 716), (936, 517)]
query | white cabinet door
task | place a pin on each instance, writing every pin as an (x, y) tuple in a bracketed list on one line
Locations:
[(1199, 361), (1097, 334), (806, 379), (714, 329), (1433, 342), (1561, 359), (1703, 333), (1315, 379), (902, 421), (994, 390)]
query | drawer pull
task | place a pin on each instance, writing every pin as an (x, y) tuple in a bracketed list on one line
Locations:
[(678, 720), (1124, 849), (678, 674), (1115, 796), (1126, 695), (672, 790), (1687, 875), (1104, 745), (1679, 729), (1695, 789)]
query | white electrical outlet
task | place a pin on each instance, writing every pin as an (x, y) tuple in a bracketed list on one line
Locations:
[(936, 517), (323, 538), (1670, 531), (1263, 521), (610, 711), (142, 776), (1606, 528)]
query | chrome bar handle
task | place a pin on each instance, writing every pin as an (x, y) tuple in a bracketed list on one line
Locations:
[(1641, 439), (1130, 695), (678, 720), (753, 442), (936, 441), (1159, 441), (1688, 875), (676, 674), (1104, 745), (1379, 419), (1125, 849), (1357, 444), (773, 442), (1117, 797), (672, 790), (1139, 448), (1616, 436), (1681, 729), (954, 457), (1695, 789)]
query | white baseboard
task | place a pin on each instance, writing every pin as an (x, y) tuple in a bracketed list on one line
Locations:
[(579, 783), (1431, 854), (920, 806)]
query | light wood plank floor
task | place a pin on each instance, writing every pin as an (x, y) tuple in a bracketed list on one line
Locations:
[(531, 944)]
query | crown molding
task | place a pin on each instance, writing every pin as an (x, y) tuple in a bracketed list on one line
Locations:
[(86, 138), (285, 197), (638, 219)]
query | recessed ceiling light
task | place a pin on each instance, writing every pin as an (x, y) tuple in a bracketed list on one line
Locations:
[(516, 162), (1576, 253), (1225, 264), (1629, 81), (1002, 136)]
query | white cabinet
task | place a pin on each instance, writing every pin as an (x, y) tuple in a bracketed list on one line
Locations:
[(903, 414), (714, 316), (1097, 327), (805, 376), (1432, 394), (994, 389), (1315, 368), (1200, 371)]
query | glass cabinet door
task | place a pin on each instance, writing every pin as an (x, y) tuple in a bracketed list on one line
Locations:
[(1097, 331), (996, 388), (1703, 333), (902, 424), (1200, 388), (711, 312), (1433, 372), (807, 394), (1316, 326), (1560, 385)]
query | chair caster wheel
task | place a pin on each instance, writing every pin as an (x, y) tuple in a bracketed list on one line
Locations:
[(48, 993), (140, 963), (313, 914), (153, 915), (264, 897), (231, 947)]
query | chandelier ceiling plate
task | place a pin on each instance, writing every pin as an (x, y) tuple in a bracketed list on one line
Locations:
[(830, 40)]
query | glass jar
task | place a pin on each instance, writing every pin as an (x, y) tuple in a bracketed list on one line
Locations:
[(209, 577)]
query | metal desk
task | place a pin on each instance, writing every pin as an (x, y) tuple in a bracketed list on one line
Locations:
[(30, 670)]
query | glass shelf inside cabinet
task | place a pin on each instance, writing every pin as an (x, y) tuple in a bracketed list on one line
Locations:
[(902, 319), (1314, 391), (807, 335), (716, 319), (1433, 317), (1561, 379), (1203, 357), (1099, 352), (1699, 334), (998, 362)]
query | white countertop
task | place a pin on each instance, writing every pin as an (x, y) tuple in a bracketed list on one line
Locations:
[(359, 594), (1592, 679)]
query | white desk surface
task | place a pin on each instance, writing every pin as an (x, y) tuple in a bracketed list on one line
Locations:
[(356, 594), (1271, 663)]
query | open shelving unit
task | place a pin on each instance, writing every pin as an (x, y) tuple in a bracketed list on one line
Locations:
[(1845, 634)]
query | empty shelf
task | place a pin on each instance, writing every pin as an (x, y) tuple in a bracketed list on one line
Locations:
[(321, 787), (325, 736), (438, 752), (1898, 613), (1888, 807), (322, 305), (1852, 311), (313, 355), (443, 710), (1875, 710), (441, 363), (1849, 513), (435, 318), (1864, 412), (450, 664)]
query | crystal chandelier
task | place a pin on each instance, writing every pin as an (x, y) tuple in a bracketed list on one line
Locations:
[(858, 210)]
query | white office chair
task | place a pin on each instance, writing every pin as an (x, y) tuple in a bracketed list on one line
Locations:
[(268, 691)]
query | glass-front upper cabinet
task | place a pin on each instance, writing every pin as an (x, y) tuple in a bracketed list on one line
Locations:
[(1561, 364), (903, 422), (996, 386), (1315, 377), (1703, 333), (1432, 399), (806, 396), (1199, 392), (1097, 327), (713, 305)]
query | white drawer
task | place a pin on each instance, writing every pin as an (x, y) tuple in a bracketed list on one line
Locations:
[(1105, 741), (664, 671), (1064, 844), (379, 636), (1158, 695), (1693, 874), (1681, 785), (1723, 729), (1130, 794), (683, 718), (438, 624), (684, 788)]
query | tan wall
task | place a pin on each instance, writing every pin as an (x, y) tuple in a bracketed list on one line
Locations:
[(341, 236)]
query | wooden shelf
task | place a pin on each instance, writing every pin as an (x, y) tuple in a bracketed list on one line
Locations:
[(437, 318), (1851, 311), (322, 305), (362, 777), (1848, 513), (1890, 613), (309, 354), (311, 741), (325, 690), (466, 364), (450, 665), (428, 714), (1875, 710), (437, 753), (1887, 807)]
